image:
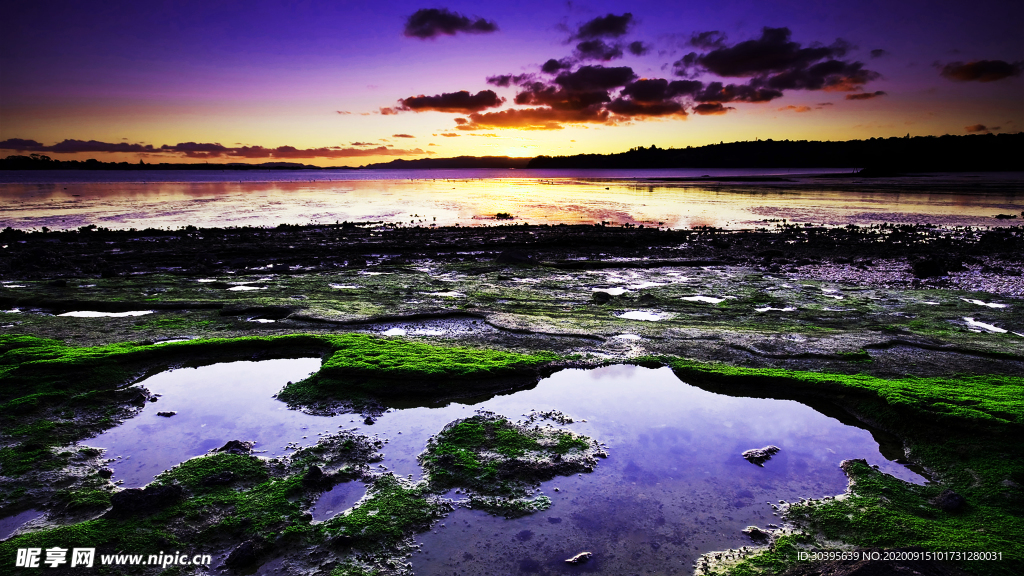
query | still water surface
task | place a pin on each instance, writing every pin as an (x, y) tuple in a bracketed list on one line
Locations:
[(123, 200), (674, 486)]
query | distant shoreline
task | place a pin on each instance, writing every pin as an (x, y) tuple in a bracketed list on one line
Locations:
[(873, 157)]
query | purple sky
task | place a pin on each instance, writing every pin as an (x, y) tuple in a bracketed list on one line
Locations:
[(339, 82)]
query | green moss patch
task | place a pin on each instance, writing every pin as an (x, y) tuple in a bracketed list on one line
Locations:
[(978, 400), (391, 511), (363, 367), (498, 461)]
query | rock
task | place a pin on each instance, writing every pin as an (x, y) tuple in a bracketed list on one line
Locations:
[(579, 558), (105, 472), (756, 534), (600, 298), (142, 501), (950, 501), (647, 299), (313, 476), (237, 447), (166, 414), (934, 266), (514, 257), (61, 283), (246, 554), (760, 455), (368, 420), (220, 478)]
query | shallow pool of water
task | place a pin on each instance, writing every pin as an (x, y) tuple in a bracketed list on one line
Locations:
[(10, 524), (94, 314), (675, 484)]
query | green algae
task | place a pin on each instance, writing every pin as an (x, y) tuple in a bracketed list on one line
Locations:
[(498, 461), (364, 366), (978, 400), (391, 511)]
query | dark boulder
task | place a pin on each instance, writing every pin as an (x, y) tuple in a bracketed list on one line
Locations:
[(950, 501), (514, 257), (760, 455), (601, 298), (143, 501), (237, 447), (247, 553)]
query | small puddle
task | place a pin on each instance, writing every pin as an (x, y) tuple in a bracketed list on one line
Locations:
[(344, 286), (11, 524), (706, 299), (338, 499), (770, 309), (986, 304), (626, 337), (245, 288), (93, 314), (972, 323), (642, 315), (611, 291), (443, 327)]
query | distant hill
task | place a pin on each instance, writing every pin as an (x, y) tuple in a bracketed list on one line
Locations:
[(457, 162), (977, 152), (43, 162)]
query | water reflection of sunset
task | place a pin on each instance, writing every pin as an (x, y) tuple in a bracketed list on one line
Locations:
[(476, 201)]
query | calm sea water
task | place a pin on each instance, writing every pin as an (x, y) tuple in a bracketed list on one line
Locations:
[(171, 199)]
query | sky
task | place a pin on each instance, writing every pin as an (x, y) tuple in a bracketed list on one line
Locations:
[(336, 83)]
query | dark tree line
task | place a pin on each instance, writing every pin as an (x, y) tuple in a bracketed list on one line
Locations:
[(979, 152)]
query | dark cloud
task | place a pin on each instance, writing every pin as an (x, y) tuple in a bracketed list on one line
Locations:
[(204, 150), (634, 108), (588, 78), (597, 49), (343, 112), (539, 94), (385, 111), (711, 109), (832, 75), (532, 119), (795, 108), (450, 135), (552, 66), (402, 136), (506, 80), (717, 92), (772, 52), (461, 101), (638, 48), (659, 89), (980, 129), (73, 146), (361, 144), (21, 145), (707, 40), (981, 70), (878, 53), (433, 22), (609, 26), (865, 95)]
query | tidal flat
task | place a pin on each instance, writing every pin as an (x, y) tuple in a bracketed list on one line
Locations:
[(367, 398)]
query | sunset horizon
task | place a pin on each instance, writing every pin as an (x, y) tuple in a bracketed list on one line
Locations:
[(353, 85)]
